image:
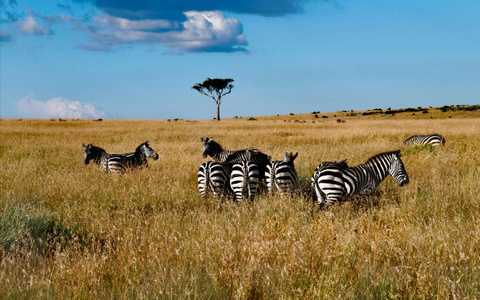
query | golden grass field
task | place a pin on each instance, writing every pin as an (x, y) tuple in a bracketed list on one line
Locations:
[(69, 230)]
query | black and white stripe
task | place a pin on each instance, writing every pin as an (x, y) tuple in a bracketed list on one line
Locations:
[(281, 175), (213, 177), (335, 181), (244, 180), (120, 163), (432, 139), (98, 155), (215, 151)]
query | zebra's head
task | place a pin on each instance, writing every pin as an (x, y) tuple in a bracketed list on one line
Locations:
[(397, 169), (91, 152), (210, 147), (147, 151), (86, 153)]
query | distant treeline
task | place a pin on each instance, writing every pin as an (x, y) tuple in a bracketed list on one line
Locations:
[(445, 108)]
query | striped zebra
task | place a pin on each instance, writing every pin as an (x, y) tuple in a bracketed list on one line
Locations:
[(281, 175), (120, 163), (244, 180), (432, 139), (335, 181), (213, 177), (215, 151)]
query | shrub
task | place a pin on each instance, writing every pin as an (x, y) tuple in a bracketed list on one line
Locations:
[(34, 230)]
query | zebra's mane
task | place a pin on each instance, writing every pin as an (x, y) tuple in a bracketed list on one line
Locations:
[(396, 152), (95, 149), (139, 148), (216, 146)]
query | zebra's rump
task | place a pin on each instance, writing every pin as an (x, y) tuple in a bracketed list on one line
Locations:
[(214, 177), (244, 180), (280, 176)]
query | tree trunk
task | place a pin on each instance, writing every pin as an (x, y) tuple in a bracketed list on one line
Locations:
[(218, 111)]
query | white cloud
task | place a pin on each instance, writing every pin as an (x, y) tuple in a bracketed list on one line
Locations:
[(58, 107), (202, 31), (126, 24), (29, 26), (207, 30)]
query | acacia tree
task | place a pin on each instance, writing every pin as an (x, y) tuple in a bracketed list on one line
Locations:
[(215, 88)]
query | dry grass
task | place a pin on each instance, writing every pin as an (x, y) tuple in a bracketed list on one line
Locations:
[(68, 230)]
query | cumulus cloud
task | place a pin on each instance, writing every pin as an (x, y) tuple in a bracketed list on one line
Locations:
[(29, 26), (58, 107), (208, 31), (201, 31)]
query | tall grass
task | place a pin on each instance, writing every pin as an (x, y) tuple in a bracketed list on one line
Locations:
[(68, 230)]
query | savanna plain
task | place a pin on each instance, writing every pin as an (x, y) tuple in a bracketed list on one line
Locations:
[(69, 230)]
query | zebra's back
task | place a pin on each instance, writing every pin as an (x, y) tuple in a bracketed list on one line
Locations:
[(117, 164), (432, 139)]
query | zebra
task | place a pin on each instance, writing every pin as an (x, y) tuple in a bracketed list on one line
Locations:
[(335, 181), (432, 139), (213, 176), (244, 180), (215, 151), (281, 174), (120, 163)]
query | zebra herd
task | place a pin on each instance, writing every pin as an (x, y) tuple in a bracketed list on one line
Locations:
[(119, 163), (244, 173)]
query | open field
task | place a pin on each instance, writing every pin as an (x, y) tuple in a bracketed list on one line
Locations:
[(68, 230)]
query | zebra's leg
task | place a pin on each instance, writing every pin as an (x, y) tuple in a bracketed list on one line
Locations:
[(320, 196)]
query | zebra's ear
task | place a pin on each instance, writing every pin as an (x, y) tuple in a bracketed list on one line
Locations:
[(84, 146), (292, 157), (398, 152), (201, 139), (342, 163)]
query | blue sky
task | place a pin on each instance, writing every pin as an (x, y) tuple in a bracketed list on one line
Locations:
[(138, 59)]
